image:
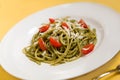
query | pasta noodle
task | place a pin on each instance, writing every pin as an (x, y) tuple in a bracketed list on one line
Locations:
[(61, 40)]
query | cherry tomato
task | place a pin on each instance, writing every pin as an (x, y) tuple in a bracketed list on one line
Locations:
[(51, 20), (44, 28), (83, 24), (55, 43), (65, 25), (87, 49), (42, 44)]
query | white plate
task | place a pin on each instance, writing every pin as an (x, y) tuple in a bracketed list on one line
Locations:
[(104, 19)]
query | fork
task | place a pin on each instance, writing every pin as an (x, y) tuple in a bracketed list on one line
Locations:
[(117, 69)]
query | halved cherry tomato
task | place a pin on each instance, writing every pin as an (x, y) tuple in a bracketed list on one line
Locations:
[(51, 20), (44, 28), (42, 44), (55, 43), (65, 25), (83, 24), (87, 49)]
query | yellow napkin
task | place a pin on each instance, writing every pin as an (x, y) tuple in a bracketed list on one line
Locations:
[(12, 11)]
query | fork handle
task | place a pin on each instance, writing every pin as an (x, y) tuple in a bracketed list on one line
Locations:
[(104, 74)]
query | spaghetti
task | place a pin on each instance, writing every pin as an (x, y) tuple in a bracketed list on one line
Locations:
[(61, 40)]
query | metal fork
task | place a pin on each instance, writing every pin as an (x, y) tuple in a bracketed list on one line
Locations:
[(117, 69)]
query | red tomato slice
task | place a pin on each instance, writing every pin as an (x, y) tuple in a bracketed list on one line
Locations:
[(87, 49), (44, 28), (65, 25), (51, 20), (55, 43), (83, 24), (42, 44)]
